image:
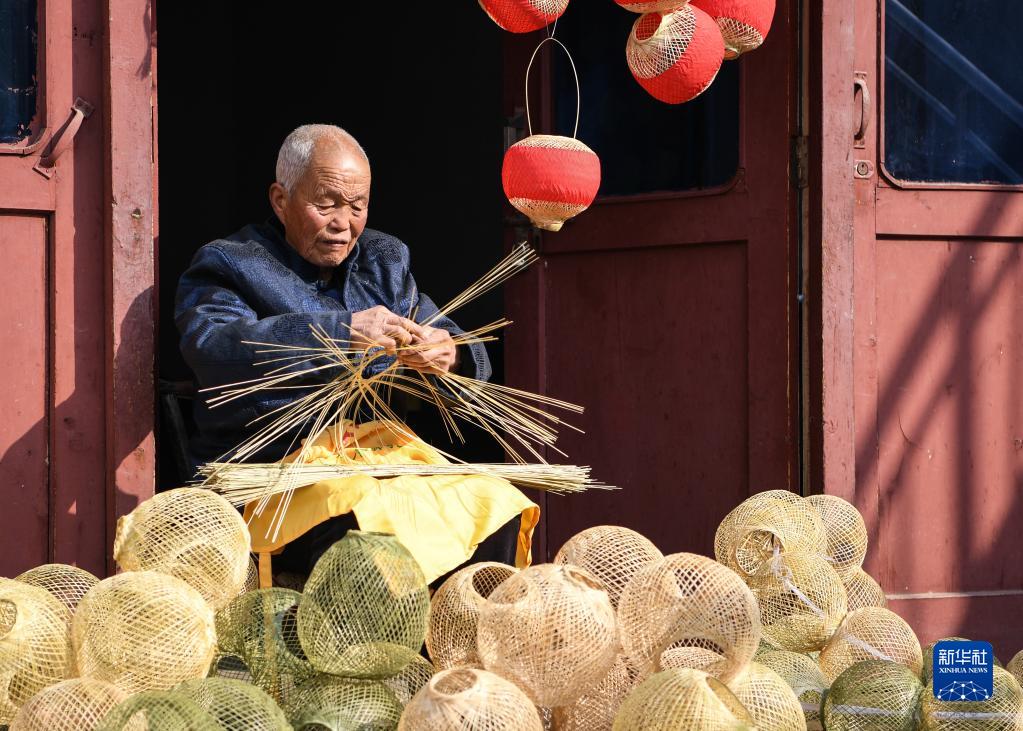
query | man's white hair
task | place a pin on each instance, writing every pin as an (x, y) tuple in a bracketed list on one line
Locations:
[(297, 150)]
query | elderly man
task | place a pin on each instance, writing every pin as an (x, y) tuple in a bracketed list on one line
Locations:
[(316, 264)]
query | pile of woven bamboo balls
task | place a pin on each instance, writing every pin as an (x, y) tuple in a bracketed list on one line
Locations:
[(783, 631)]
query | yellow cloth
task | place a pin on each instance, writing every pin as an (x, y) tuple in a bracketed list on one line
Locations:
[(439, 519)]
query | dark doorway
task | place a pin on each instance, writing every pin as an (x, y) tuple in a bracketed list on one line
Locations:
[(420, 89)]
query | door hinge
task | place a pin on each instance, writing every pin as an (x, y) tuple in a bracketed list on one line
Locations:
[(801, 161)]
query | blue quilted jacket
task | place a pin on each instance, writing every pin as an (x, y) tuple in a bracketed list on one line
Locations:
[(252, 286)]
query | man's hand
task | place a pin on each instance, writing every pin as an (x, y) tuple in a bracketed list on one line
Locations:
[(380, 327), (437, 354)]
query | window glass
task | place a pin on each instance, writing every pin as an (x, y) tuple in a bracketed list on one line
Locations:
[(644, 145), (18, 82), (954, 90)]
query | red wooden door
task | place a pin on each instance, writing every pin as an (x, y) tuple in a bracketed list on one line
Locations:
[(671, 315), (71, 354), (937, 172)]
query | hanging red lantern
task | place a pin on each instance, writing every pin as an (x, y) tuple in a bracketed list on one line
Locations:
[(652, 6), (550, 178), (675, 56), (744, 23), (523, 16)]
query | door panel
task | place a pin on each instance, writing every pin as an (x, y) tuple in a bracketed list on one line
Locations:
[(671, 316), (939, 357)]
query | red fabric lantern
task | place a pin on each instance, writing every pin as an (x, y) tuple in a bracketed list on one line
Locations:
[(652, 6), (676, 56), (522, 16), (744, 23), (550, 178)]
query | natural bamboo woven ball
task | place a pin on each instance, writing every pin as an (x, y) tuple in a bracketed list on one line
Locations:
[(236, 705), (805, 678), (862, 591), (142, 630), (551, 630), (651, 6), (158, 710), (871, 633), (765, 524), (251, 577), (454, 613), (802, 601), (928, 656), (522, 16), (596, 709), (1015, 666), (411, 679), (68, 584), (611, 553), (1002, 712), (550, 178), (227, 665), (874, 695), (34, 647), (191, 533), (79, 704), (744, 24), (470, 699), (365, 607), (261, 628), (845, 532), (682, 699), (771, 702), (332, 703), (675, 56), (688, 601)]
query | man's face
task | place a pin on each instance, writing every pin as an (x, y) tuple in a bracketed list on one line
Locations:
[(326, 212)]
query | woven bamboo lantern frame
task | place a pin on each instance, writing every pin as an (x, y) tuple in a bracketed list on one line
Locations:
[(862, 591), (235, 705), (845, 532), (158, 711), (1015, 666), (764, 525), (596, 709), (805, 678), (928, 656), (143, 631), (470, 699), (770, 700), (67, 584), (744, 24), (873, 694), (1002, 712), (611, 553), (34, 646), (454, 613), (682, 699), (523, 16), (871, 633), (189, 533), (551, 630), (689, 607), (411, 679), (365, 608), (79, 704), (652, 6), (338, 704)]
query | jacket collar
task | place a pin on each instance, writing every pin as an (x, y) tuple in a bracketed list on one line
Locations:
[(273, 231)]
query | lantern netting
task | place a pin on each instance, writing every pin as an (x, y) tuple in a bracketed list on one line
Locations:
[(802, 600), (862, 591), (34, 646), (260, 628), (551, 630), (744, 24), (67, 584), (769, 699), (158, 710), (142, 630), (805, 678), (611, 553), (689, 607), (596, 709), (235, 704), (454, 613), (550, 178), (874, 695), (331, 703), (1003, 711), (764, 525), (871, 633), (470, 699), (192, 534), (845, 532), (365, 607), (410, 679), (522, 16), (682, 699), (79, 704)]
